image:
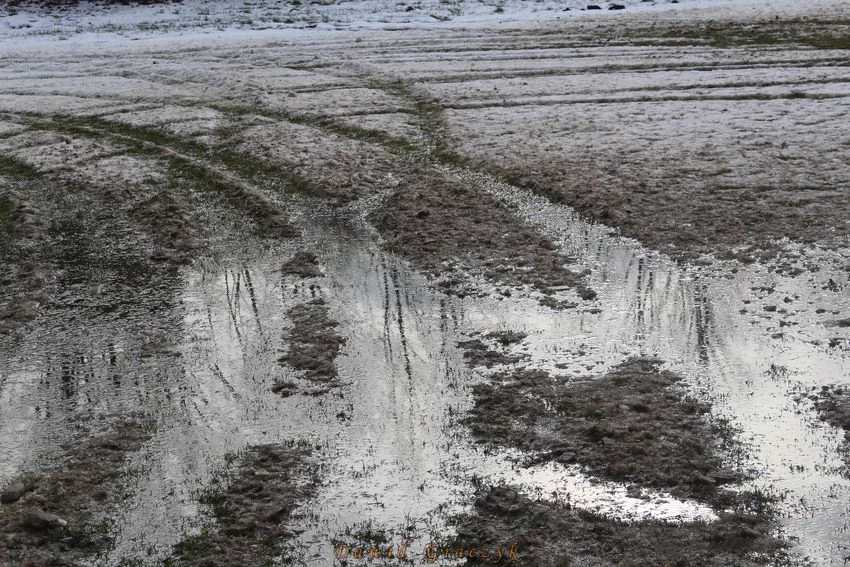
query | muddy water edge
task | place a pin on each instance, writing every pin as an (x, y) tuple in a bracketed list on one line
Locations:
[(353, 360)]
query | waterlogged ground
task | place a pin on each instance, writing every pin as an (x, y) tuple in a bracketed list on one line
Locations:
[(570, 288)]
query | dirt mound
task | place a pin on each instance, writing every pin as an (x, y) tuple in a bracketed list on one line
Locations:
[(167, 217), (443, 226), (302, 264), (545, 534), (56, 518), (251, 512), (313, 342), (630, 425)]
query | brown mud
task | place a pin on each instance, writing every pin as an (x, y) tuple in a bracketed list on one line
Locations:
[(739, 222), (252, 512), (61, 516), (631, 425), (97, 218), (334, 167), (445, 228), (477, 352), (685, 201), (548, 534), (833, 406), (22, 284), (314, 345), (168, 217)]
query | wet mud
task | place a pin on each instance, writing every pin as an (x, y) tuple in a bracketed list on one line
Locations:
[(551, 534), (63, 516), (334, 167), (833, 406), (313, 343), (303, 265), (168, 217), (477, 352), (448, 229), (261, 239), (252, 511), (22, 284), (632, 425), (737, 222)]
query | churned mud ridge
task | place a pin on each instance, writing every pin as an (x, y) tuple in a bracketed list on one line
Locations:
[(168, 217), (548, 534), (313, 346), (631, 425), (251, 513), (445, 227), (698, 217), (61, 517)]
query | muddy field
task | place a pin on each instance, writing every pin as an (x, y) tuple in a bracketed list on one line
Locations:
[(464, 283)]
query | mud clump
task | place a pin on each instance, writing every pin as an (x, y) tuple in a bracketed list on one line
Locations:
[(833, 406), (313, 343), (443, 226), (630, 425), (302, 264), (56, 518), (18, 216), (251, 512), (506, 338), (477, 353), (547, 534)]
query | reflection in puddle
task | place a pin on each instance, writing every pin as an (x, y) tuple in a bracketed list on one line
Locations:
[(391, 451), (695, 321)]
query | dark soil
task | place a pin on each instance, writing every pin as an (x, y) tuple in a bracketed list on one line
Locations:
[(313, 343), (251, 512), (657, 199), (506, 338), (56, 518), (442, 225), (477, 353), (696, 219), (554, 535), (302, 264), (630, 425), (833, 405)]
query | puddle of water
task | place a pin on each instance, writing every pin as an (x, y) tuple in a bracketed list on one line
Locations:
[(392, 455), (693, 320)]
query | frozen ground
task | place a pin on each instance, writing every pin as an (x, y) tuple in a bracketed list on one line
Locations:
[(665, 180)]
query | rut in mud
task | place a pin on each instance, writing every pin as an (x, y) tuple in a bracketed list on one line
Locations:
[(341, 264)]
